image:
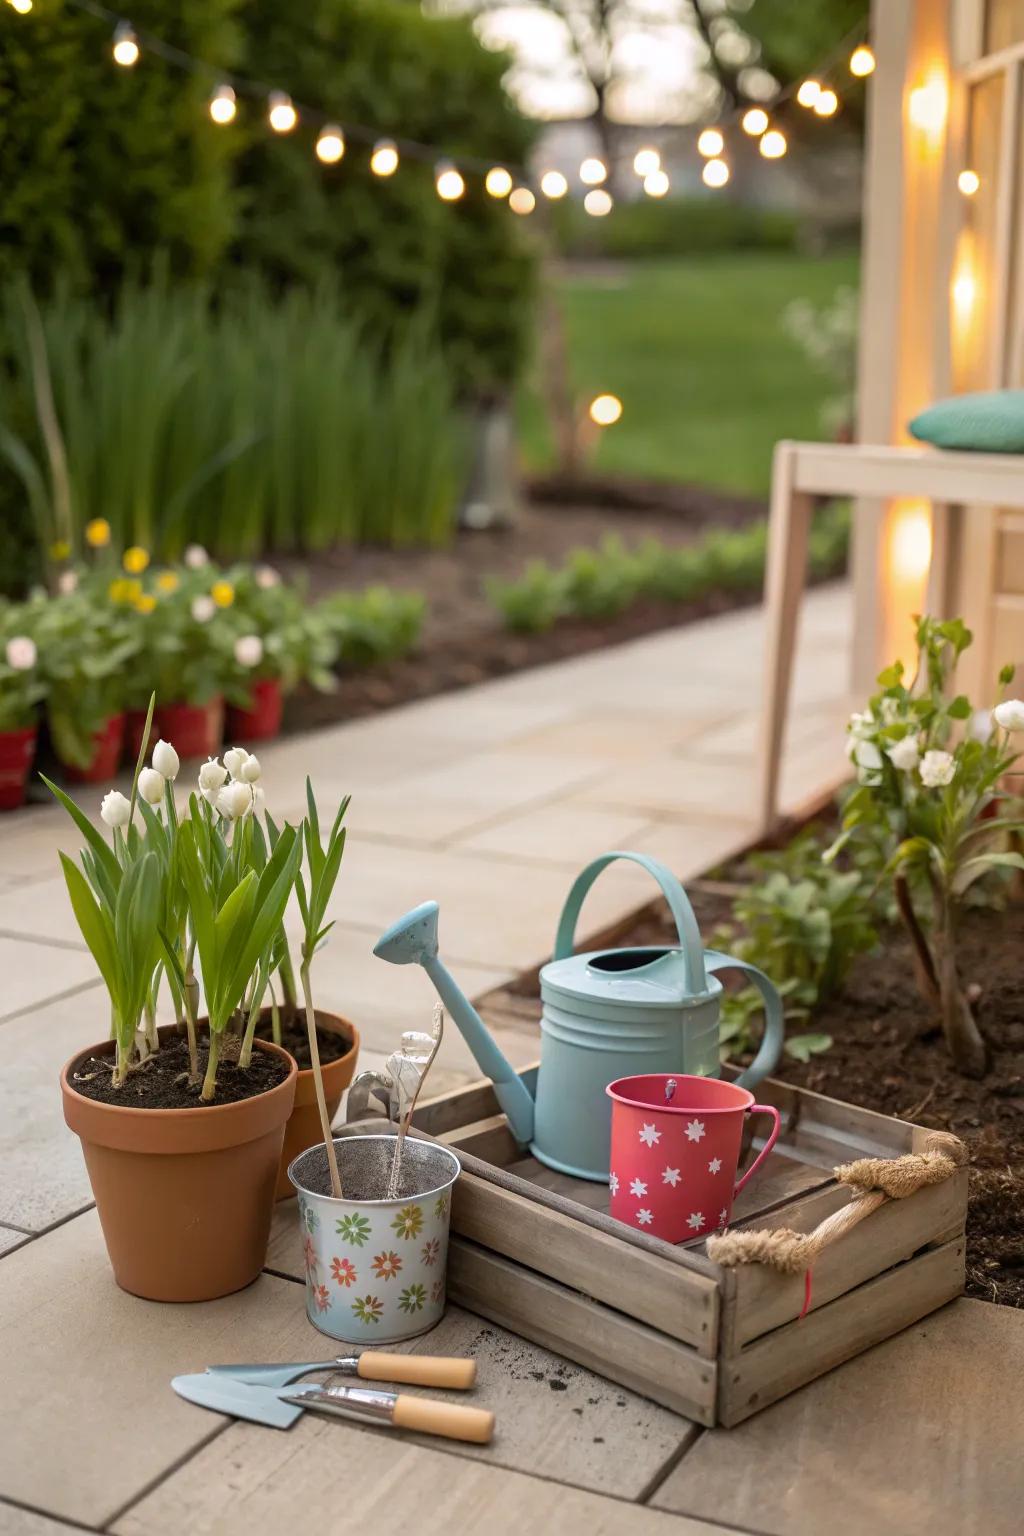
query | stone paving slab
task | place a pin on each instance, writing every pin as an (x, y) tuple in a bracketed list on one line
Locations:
[(920, 1436), (32, 973), (25, 1522), (11, 1238)]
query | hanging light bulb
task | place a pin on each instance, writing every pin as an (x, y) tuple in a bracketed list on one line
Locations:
[(448, 181), (384, 160), (605, 410), (755, 121), (862, 61), (598, 202), (773, 144), (554, 185), (827, 104), (522, 200), (968, 182), (126, 45), (715, 173), (281, 115), (223, 105), (646, 160), (710, 143), (330, 144), (593, 171), (808, 93), (656, 184), (498, 182)]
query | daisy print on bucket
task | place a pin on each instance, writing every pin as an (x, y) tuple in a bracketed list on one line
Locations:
[(675, 1152), (375, 1267)]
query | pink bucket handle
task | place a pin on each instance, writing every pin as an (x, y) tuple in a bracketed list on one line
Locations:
[(761, 1109)]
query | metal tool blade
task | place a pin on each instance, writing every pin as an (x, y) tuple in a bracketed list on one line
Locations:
[(280, 1375), (242, 1401)]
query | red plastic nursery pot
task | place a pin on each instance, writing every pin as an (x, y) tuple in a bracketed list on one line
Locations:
[(106, 756), (17, 749), (262, 719), (194, 730)]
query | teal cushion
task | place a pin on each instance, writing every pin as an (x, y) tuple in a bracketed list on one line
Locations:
[(992, 422)]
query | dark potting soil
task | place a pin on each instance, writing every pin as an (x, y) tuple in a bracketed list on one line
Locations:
[(161, 1081), (295, 1040)]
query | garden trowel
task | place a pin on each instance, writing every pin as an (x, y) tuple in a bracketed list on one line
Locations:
[(452, 1372)]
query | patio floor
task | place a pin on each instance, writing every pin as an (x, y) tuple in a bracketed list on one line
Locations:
[(490, 801)]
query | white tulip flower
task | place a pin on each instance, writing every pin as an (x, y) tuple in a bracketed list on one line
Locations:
[(115, 809), (151, 786), (267, 577), (248, 650), (234, 758), (1009, 714), (203, 608), (235, 800), (937, 769), (259, 800), (212, 775), (165, 760), (67, 582), (196, 557), (21, 653), (250, 771), (904, 754), (979, 727)]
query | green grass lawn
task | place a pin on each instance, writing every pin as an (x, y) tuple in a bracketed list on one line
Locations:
[(696, 350)]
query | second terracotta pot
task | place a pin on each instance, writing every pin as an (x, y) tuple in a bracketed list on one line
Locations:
[(303, 1129)]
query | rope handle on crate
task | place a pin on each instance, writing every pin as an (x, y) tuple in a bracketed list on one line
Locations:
[(874, 1181)]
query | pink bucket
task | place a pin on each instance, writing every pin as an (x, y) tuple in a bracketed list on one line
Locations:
[(675, 1152)]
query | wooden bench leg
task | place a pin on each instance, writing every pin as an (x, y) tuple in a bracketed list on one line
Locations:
[(789, 524)]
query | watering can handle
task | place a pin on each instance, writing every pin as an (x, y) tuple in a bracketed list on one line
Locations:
[(767, 1058), (678, 901)]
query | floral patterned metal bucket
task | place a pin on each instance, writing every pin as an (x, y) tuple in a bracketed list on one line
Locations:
[(375, 1268)]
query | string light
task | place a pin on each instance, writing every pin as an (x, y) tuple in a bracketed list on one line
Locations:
[(281, 115), (598, 202), (827, 104), (862, 61), (522, 200), (126, 46), (646, 160), (593, 171), (330, 144), (554, 185), (448, 181), (605, 410), (710, 143), (773, 144), (715, 173), (498, 181), (223, 105), (755, 121), (656, 184), (384, 160), (21, 6), (927, 106), (808, 93), (968, 182)]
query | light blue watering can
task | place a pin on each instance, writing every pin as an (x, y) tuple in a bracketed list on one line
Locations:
[(609, 1014)]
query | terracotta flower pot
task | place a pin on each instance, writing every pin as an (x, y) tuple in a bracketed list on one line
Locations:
[(303, 1128), (106, 755), (185, 1196), (194, 730), (17, 749), (262, 720)]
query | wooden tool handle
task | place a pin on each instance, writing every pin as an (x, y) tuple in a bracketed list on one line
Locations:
[(449, 1419), (418, 1370)]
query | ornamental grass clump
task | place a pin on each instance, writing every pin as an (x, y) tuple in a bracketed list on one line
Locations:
[(932, 783)]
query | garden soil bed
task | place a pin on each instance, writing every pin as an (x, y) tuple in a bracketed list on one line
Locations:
[(161, 1082), (295, 1041)]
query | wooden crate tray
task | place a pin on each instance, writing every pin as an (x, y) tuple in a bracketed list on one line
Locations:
[(535, 1251)]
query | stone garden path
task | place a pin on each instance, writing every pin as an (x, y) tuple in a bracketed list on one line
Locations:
[(490, 801)]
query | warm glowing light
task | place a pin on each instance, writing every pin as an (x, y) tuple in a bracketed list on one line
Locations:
[(710, 143), (773, 145), (605, 410), (910, 541), (598, 202), (21, 6), (553, 184), (498, 181), (715, 173), (593, 171), (968, 182), (126, 46), (808, 93), (965, 289), (646, 160), (281, 115), (384, 160), (927, 106), (522, 200), (862, 61), (449, 183), (656, 184), (330, 144), (827, 104), (223, 105), (755, 121)]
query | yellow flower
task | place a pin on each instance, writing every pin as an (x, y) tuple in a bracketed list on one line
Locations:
[(145, 602), (168, 581), (97, 533), (60, 550), (223, 594), (135, 560), (124, 590)]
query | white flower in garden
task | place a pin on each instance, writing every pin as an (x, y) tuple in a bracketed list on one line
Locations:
[(867, 756), (151, 786), (234, 758), (937, 769), (235, 800), (259, 800), (891, 711), (165, 760), (861, 725), (203, 608), (905, 754), (115, 809), (267, 577), (250, 771), (211, 776), (248, 650), (1009, 714), (979, 727), (196, 557), (21, 653), (67, 582)]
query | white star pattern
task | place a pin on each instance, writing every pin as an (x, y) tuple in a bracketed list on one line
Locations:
[(670, 1176), (650, 1134), (694, 1131), (715, 1165), (695, 1221), (723, 1217), (644, 1218), (638, 1188), (613, 1183)]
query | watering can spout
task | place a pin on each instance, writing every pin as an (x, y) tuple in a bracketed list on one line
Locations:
[(413, 939)]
